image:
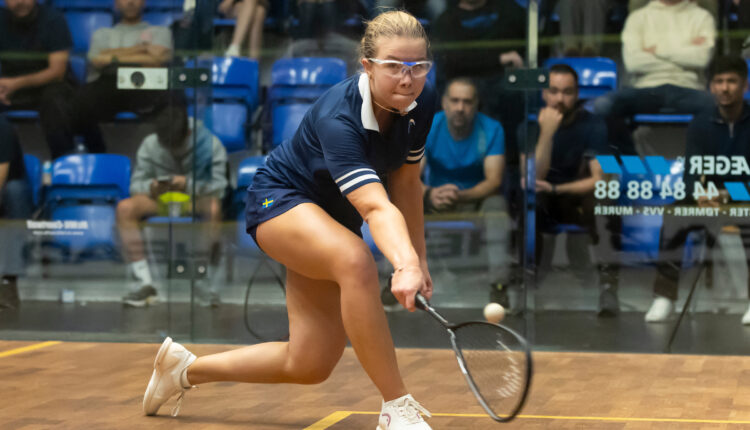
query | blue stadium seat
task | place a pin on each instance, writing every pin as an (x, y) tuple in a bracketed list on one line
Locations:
[(228, 121), (77, 65), (173, 5), (83, 24), (286, 120), (162, 18), (34, 175), (236, 79), (85, 189), (81, 5), (304, 78), (661, 118), (596, 75)]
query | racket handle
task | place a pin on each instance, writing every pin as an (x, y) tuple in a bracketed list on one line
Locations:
[(420, 302)]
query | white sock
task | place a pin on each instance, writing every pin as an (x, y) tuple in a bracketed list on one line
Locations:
[(141, 271), (232, 51), (184, 380)]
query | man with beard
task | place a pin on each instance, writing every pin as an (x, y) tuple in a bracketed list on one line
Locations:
[(132, 43), (721, 131), (464, 160), (35, 42), (567, 139)]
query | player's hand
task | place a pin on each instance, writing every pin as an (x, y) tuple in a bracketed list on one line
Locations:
[(179, 183), (405, 284), (549, 120), (427, 290), (511, 59)]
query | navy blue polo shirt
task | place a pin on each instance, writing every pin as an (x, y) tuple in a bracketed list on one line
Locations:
[(338, 148)]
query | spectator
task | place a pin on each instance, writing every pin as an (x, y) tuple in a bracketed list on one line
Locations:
[(165, 162), (711, 6), (472, 21), (15, 203), (723, 130), (40, 81), (464, 158), (582, 26), (250, 15), (666, 45), (132, 42), (567, 138)]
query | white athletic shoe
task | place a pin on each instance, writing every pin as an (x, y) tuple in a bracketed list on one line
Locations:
[(232, 51), (171, 360), (403, 413), (660, 311), (746, 317)]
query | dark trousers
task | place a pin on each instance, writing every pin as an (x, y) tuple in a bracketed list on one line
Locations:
[(54, 103), (674, 234), (16, 205), (100, 101), (665, 99)]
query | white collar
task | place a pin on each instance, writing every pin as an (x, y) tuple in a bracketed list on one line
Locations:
[(368, 116)]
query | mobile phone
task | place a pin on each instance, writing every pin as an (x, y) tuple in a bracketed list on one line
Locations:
[(165, 179)]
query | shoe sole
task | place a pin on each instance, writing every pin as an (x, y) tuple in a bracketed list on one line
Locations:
[(148, 397), (141, 303)]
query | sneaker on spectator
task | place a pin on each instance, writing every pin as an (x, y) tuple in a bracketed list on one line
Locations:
[(499, 295), (145, 296), (9, 294), (403, 413), (660, 311), (167, 379), (205, 295), (746, 317), (609, 305)]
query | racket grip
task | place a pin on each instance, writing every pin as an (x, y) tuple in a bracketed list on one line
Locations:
[(420, 302)]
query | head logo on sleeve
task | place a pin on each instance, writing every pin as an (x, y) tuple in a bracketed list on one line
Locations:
[(412, 123), (267, 203)]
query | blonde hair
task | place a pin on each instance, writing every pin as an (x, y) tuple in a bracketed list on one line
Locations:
[(389, 24)]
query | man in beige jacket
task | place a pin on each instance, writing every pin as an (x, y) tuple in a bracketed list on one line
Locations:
[(665, 46)]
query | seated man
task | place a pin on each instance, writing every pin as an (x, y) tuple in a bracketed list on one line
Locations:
[(722, 131), (38, 79), (464, 157), (132, 42), (165, 162), (665, 45), (566, 140), (15, 204)]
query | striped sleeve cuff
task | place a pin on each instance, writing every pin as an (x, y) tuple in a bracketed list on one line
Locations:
[(415, 156), (355, 179)]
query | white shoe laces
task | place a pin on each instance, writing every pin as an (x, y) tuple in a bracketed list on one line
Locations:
[(409, 410), (178, 405)]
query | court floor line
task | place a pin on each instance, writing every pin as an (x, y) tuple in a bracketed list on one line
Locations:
[(338, 416), (28, 348)]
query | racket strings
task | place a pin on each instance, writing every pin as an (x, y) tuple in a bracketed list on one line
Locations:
[(497, 364)]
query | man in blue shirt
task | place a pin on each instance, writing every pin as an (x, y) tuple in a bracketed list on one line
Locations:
[(567, 138), (721, 131), (464, 162)]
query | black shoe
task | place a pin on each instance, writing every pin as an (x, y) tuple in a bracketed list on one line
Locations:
[(9, 293), (609, 305), (147, 295), (499, 295), (387, 298)]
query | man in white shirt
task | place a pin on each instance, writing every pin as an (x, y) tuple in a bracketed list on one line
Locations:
[(665, 46)]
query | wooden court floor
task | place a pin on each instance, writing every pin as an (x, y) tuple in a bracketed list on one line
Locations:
[(53, 385)]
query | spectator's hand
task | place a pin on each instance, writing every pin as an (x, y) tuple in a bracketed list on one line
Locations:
[(700, 40), (543, 186), (650, 49), (405, 284), (714, 202), (444, 196), (158, 188), (511, 59), (549, 120), (179, 183), (225, 7), (7, 87)]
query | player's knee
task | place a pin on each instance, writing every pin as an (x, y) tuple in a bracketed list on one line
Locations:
[(310, 372), (356, 264)]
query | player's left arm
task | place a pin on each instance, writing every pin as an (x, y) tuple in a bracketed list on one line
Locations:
[(493, 178)]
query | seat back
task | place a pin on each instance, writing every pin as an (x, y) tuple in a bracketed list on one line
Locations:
[(228, 121), (83, 24), (34, 176), (286, 121), (304, 78), (236, 79), (84, 176), (163, 18), (596, 75)]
